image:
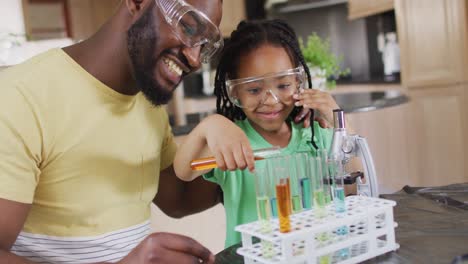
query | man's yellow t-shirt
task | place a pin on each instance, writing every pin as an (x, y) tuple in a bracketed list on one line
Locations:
[(86, 157)]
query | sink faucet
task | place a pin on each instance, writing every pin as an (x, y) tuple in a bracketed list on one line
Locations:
[(345, 146)]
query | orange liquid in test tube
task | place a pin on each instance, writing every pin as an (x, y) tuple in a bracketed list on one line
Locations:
[(208, 163), (284, 205)]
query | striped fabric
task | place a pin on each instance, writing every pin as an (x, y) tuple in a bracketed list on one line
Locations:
[(110, 247)]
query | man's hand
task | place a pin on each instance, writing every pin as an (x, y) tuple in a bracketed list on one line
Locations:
[(168, 248)]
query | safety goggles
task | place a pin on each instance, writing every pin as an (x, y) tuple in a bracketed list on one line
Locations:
[(192, 27), (252, 91)]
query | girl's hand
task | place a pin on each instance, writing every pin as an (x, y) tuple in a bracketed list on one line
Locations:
[(228, 143), (304, 115), (321, 102)]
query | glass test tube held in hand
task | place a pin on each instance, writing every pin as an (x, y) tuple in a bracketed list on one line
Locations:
[(210, 162)]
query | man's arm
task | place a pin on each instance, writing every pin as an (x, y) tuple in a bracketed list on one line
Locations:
[(178, 198), (12, 220)]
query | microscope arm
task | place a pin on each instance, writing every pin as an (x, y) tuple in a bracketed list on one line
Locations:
[(368, 187)]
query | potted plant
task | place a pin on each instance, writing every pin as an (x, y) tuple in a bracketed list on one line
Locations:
[(7, 42), (324, 66)]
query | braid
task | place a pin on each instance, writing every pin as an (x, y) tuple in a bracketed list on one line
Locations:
[(248, 36), (294, 45)]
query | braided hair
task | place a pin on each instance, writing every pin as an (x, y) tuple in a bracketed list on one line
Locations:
[(249, 36)]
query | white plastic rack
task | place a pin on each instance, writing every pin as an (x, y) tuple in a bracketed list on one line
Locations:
[(364, 231)]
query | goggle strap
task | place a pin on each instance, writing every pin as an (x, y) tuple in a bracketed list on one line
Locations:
[(169, 8)]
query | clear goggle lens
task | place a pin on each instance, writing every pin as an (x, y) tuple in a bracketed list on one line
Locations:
[(252, 91), (192, 27)]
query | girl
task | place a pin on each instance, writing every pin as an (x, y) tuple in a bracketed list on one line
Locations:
[(259, 85)]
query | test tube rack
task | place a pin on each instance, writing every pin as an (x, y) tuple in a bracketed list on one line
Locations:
[(368, 222)]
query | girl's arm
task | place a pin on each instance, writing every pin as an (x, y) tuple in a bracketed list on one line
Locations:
[(215, 136)]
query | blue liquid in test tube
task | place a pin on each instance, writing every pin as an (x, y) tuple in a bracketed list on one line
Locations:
[(274, 208), (339, 200), (306, 193)]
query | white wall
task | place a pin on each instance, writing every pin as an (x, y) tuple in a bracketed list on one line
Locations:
[(11, 17), (12, 21), (207, 227)]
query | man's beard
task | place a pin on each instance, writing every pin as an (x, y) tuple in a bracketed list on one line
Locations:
[(141, 42)]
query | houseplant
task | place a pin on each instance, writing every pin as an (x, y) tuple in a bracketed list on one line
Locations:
[(323, 64), (7, 42)]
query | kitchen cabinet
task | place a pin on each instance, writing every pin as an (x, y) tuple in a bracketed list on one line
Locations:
[(233, 13), (437, 135), (420, 143), (433, 47), (87, 16), (433, 42), (363, 8)]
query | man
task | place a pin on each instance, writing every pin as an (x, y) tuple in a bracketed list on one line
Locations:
[(83, 149)]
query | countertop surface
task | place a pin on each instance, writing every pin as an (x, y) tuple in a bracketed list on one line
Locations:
[(369, 101), (432, 226)]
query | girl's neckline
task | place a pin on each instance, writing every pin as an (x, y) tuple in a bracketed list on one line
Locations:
[(291, 135)]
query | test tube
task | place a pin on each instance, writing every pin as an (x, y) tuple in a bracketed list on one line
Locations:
[(295, 172), (303, 173), (283, 199), (337, 174), (271, 168), (262, 190), (328, 185), (210, 162), (262, 187), (319, 196)]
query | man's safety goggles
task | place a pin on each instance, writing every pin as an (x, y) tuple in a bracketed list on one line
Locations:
[(252, 91), (192, 27)]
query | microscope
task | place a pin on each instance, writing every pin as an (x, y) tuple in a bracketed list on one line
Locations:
[(344, 147)]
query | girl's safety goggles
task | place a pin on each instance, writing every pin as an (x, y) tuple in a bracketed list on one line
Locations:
[(250, 92), (192, 27)]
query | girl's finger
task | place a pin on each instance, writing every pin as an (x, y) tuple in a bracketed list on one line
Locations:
[(229, 159), (239, 157), (301, 115), (249, 156), (219, 159)]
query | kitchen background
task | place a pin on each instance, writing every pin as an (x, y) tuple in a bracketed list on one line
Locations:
[(415, 121)]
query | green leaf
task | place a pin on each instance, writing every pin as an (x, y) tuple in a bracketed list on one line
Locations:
[(317, 53)]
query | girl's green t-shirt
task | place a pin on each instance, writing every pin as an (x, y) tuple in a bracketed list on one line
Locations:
[(239, 186)]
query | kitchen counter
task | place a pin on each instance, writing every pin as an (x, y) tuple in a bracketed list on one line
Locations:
[(369, 101), (432, 226)]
